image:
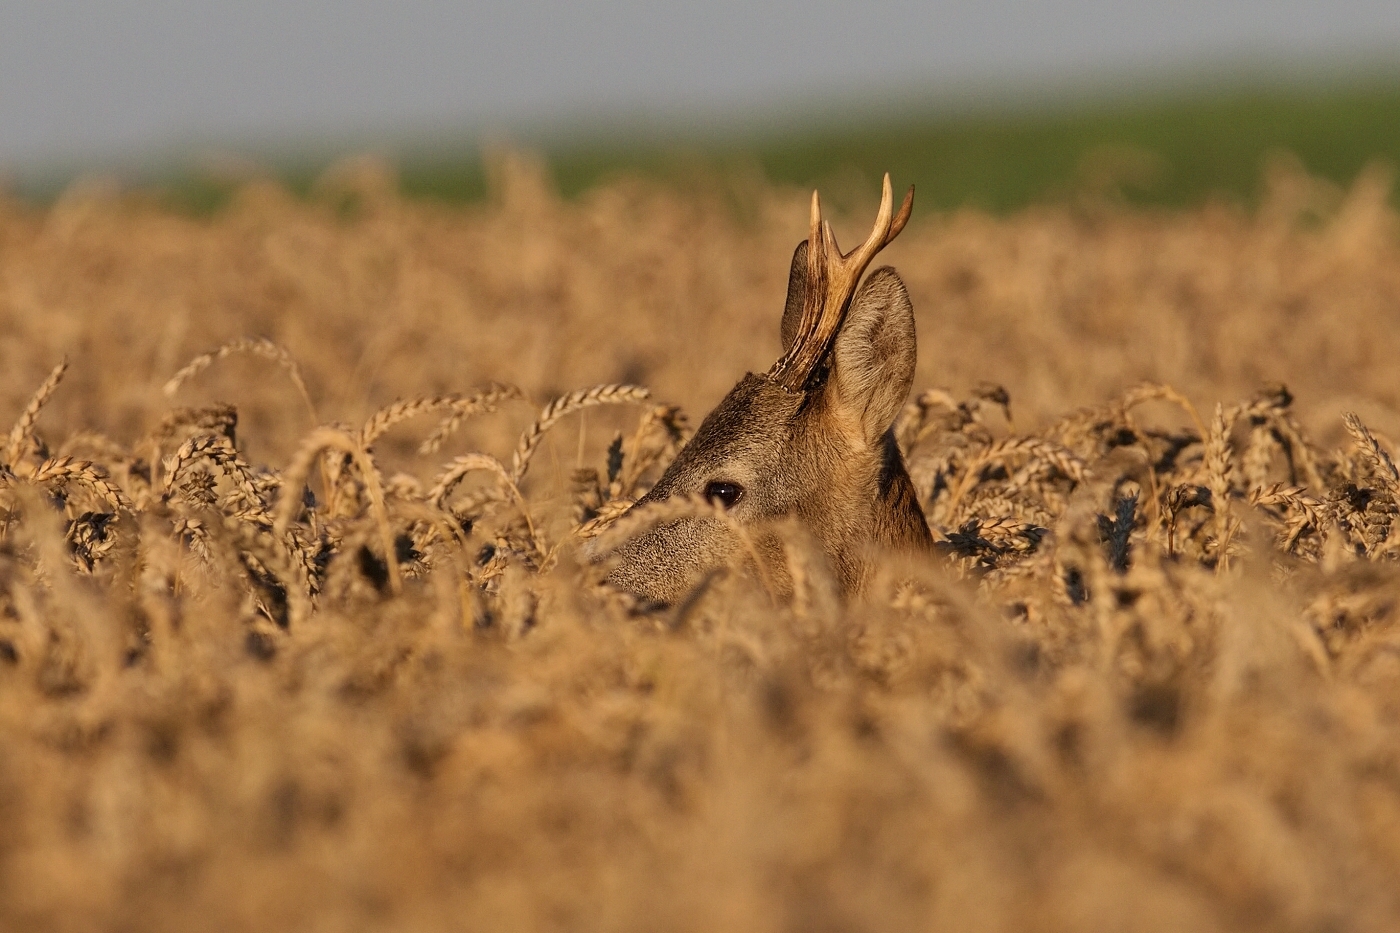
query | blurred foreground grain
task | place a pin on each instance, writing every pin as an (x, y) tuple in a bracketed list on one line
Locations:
[(296, 630)]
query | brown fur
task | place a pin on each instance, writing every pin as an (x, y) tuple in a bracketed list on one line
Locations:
[(826, 456)]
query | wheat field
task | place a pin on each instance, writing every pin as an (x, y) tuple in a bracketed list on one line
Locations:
[(298, 628)]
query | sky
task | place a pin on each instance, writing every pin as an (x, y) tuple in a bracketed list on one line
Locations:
[(122, 79)]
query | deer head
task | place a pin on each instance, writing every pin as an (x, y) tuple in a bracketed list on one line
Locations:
[(810, 439)]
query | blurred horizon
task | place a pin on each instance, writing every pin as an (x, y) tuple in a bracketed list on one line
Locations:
[(997, 104)]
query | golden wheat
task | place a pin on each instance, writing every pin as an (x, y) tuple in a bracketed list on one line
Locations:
[(563, 406), (257, 677), (258, 346), (65, 469), (24, 425)]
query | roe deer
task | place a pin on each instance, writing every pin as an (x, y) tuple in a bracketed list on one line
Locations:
[(811, 438)]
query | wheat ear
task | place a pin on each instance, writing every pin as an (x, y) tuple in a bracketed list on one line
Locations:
[(24, 427), (217, 449), (466, 406), (461, 406), (566, 405), (468, 463), (62, 469), (257, 346), (294, 479), (607, 513), (1219, 469), (1152, 391), (1380, 459)]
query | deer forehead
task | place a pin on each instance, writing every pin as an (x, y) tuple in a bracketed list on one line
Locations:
[(749, 427)]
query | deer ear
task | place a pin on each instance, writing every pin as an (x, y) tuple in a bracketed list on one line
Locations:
[(873, 357), (797, 291)]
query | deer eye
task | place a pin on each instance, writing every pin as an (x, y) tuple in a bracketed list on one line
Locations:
[(726, 494)]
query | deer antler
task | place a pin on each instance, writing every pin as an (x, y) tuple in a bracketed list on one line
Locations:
[(832, 277)]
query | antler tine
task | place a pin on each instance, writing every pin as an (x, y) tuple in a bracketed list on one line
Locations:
[(832, 277), (902, 217), (879, 234)]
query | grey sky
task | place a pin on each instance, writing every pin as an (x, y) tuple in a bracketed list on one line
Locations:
[(122, 77)]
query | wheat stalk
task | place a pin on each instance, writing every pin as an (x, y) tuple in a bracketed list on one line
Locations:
[(294, 480), (218, 450), (462, 407), (1050, 454), (249, 506), (1219, 470), (1310, 511), (24, 427), (65, 469), (1380, 460), (461, 466), (666, 421), (1299, 447), (566, 405), (257, 346), (1154, 392), (607, 513)]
